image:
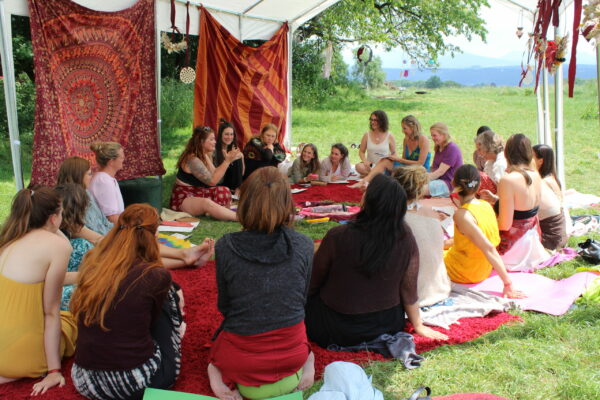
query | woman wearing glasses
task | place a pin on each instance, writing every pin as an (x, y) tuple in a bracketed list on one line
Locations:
[(196, 189), (376, 143)]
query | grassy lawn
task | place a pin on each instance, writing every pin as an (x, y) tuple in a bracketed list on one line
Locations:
[(544, 357)]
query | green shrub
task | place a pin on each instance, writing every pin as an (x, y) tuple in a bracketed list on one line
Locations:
[(177, 104)]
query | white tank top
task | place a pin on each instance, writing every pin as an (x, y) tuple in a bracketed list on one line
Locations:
[(376, 151)]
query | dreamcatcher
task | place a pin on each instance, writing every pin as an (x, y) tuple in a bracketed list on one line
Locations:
[(590, 28), (187, 73), (364, 54), (167, 42)]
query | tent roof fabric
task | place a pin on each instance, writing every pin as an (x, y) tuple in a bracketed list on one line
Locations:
[(245, 19)]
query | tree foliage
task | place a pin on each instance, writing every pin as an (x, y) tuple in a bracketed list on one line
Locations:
[(371, 74), (419, 27), (433, 82)]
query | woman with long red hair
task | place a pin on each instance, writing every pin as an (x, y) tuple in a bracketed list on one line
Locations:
[(128, 314)]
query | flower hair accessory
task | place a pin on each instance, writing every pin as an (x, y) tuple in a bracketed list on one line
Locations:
[(472, 184)]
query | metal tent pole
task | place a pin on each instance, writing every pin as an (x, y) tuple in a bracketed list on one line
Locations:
[(558, 115), (540, 116), (10, 94), (547, 133), (598, 76)]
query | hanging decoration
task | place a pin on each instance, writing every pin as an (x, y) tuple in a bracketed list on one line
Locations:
[(167, 42), (364, 54), (187, 73), (590, 28), (555, 53), (528, 78), (548, 12), (405, 74), (520, 25)]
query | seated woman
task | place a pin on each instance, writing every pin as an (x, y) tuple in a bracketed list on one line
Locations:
[(490, 147), (552, 218), (473, 254), (365, 274), (478, 159), (263, 151), (337, 166), (34, 333), (74, 203), (226, 142), (76, 170), (261, 345), (305, 165), (376, 143), (416, 151), (433, 284), (446, 161), (517, 204), (128, 314), (103, 186), (198, 178)]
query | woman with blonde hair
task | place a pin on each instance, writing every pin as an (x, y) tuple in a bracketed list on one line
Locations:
[(197, 190), (263, 150), (262, 278), (76, 170), (433, 284), (446, 161), (34, 333), (103, 186), (416, 151), (128, 313)]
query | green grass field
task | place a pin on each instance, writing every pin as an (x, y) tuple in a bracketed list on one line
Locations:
[(544, 357)]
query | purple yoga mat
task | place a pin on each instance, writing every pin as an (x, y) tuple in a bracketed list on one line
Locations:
[(543, 294)]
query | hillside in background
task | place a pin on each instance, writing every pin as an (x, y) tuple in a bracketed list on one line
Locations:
[(499, 76)]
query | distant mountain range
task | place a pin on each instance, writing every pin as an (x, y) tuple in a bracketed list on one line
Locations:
[(499, 76)]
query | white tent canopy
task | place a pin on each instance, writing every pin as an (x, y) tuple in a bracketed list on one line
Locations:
[(245, 19)]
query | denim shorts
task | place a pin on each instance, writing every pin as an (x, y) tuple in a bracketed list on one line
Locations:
[(438, 188)]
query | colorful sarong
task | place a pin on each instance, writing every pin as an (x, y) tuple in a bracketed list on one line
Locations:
[(519, 228)]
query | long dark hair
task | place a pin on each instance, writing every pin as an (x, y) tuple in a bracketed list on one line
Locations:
[(314, 165), (382, 220), (219, 157), (548, 167), (382, 119), (75, 202), (517, 151)]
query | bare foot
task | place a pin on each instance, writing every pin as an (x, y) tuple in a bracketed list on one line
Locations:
[(219, 388), (308, 373), (362, 185), (205, 252)]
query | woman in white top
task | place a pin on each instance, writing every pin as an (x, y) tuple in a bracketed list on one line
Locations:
[(337, 166), (491, 149), (433, 283), (376, 143), (552, 219)]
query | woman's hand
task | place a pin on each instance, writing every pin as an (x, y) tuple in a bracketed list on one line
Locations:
[(511, 293), (51, 380), (488, 196), (427, 332), (233, 154)]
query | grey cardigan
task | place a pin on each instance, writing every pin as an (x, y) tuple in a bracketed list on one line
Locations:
[(262, 279)]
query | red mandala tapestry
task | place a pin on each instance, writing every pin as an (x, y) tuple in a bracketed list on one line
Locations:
[(243, 84), (95, 81)]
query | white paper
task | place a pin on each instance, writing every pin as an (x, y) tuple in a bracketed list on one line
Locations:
[(185, 229)]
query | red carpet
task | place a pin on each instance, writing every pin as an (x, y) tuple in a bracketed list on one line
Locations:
[(202, 317), (337, 192)]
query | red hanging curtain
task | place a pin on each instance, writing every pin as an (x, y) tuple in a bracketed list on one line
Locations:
[(95, 81), (244, 85)]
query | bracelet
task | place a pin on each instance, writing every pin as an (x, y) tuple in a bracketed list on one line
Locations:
[(51, 371), (508, 284)]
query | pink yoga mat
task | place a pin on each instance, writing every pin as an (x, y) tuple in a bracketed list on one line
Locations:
[(543, 294)]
